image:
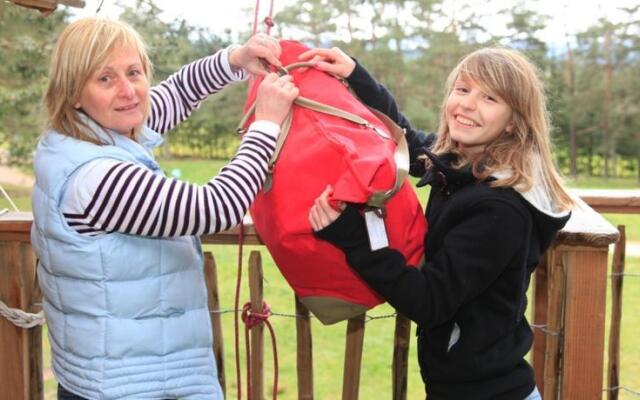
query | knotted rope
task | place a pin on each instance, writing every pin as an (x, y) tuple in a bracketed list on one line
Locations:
[(21, 318), (252, 319)]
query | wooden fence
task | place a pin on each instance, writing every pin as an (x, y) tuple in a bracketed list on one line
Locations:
[(569, 312)]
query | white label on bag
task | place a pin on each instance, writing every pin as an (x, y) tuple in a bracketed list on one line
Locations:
[(376, 229)]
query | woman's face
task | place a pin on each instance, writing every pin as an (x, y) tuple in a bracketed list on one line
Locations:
[(117, 95), (475, 116)]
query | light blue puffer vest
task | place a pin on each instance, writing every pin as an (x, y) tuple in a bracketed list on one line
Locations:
[(127, 315)]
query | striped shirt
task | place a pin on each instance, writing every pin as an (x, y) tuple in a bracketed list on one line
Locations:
[(107, 195)]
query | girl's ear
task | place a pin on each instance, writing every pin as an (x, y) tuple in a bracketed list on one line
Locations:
[(77, 106), (509, 127)]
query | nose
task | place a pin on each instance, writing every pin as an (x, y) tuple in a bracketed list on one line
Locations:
[(126, 89), (469, 101)]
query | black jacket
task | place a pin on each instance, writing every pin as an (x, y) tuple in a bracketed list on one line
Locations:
[(469, 298)]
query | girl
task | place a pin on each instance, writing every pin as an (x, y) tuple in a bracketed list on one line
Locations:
[(495, 205), (120, 263)]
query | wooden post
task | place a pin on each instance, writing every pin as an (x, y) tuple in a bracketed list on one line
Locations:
[(257, 332), (400, 357), (539, 314), (617, 279), (21, 349), (583, 349), (353, 357), (211, 279), (554, 326), (304, 352)]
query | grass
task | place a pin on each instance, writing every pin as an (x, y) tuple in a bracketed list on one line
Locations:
[(328, 341)]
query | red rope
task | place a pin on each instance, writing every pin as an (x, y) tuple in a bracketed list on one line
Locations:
[(252, 319), (236, 308), (268, 20), (255, 18)]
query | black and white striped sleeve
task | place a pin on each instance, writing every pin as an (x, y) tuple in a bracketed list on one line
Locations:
[(108, 195), (173, 100)]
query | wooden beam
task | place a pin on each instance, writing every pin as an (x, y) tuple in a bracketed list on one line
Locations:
[(213, 296), (353, 358), (304, 352), (617, 279)]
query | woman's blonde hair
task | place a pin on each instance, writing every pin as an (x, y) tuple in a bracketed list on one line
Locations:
[(81, 49), (525, 149)]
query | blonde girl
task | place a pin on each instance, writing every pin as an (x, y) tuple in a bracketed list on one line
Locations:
[(496, 203)]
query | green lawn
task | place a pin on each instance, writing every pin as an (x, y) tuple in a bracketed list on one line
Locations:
[(328, 341)]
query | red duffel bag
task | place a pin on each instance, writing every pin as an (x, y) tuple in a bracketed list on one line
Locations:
[(332, 139)]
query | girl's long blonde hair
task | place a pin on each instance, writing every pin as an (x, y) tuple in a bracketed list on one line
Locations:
[(526, 149), (81, 49)]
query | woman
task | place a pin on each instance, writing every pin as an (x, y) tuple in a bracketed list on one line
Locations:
[(495, 205), (120, 263)]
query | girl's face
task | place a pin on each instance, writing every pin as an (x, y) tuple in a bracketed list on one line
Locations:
[(117, 95), (475, 116)]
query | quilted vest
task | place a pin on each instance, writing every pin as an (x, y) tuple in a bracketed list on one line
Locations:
[(127, 315)]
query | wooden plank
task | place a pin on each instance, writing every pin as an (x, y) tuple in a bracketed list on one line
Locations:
[(617, 279), (554, 330), (353, 357), (213, 295), (21, 349), (17, 226), (587, 228), (539, 313), (583, 346), (611, 200), (304, 352), (400, 362), (257, 332)]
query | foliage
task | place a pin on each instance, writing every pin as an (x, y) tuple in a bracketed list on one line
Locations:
[(410, 46)]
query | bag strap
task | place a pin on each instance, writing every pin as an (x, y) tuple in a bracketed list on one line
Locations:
[(400, 155)]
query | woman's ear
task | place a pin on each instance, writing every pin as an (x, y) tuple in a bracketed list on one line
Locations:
[(77, 106)]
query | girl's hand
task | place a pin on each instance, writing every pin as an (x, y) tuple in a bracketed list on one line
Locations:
[(322, 214), (274, 98), (252, 56), (333, 61)]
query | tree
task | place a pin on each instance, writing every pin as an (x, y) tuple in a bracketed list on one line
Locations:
[(26, 43)]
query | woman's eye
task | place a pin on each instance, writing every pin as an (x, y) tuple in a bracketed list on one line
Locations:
[(135, 72), (104, 78), (461, 89)]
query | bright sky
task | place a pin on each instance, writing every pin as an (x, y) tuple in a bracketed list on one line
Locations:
[(575, 15)]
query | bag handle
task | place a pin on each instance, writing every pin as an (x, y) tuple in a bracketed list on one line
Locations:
[(400, 155)]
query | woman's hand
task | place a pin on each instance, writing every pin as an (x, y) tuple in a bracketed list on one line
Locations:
[(274, 98), (252, 56), (322, 214), (333, 61)]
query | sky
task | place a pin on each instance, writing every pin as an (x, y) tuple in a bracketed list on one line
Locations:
[(566, 15)]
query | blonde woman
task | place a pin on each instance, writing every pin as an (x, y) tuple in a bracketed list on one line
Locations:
[(120, 263), (496, 203)]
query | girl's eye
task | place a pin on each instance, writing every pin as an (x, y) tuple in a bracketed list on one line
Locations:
[(103, 78), (461, 89), (492, 99)]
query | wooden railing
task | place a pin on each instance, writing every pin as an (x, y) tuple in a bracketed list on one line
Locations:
[(569, 312)]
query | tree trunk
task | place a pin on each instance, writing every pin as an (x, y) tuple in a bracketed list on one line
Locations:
[(606, 105), (573, 146)]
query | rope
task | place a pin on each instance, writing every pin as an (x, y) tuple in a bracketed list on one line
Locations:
[(268, 20), (6, 196), (625, 274), (611, 389), (252, 319), (544, 329), (20, 318)]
